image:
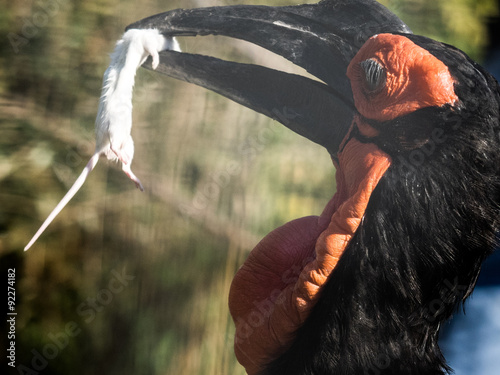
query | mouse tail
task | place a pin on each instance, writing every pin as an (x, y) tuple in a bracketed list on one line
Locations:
[(64, 201)]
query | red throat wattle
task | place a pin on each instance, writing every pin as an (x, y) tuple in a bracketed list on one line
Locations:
[(275, 289)]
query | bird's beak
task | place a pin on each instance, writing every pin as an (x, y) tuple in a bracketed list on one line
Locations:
[(321, 38)]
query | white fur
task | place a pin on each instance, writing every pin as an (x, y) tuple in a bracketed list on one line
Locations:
[(114, 116)]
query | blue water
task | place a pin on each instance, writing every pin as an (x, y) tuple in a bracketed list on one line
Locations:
[(471, 342)]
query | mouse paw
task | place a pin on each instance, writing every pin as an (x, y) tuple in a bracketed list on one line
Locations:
[(132, 176), (156, 59), (123, 152)]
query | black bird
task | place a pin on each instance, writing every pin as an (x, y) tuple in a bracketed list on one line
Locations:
[(412, 126)]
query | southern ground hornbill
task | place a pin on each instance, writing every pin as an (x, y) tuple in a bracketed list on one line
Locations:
[(412, 126)]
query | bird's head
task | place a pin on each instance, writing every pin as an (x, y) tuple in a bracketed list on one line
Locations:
[(359, 70), (412, 126)]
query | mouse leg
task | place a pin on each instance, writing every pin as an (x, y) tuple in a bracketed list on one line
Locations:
[(156, 59), (123, 153), (132, 176)]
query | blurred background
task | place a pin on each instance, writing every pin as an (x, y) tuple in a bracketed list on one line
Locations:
[(124, 282)]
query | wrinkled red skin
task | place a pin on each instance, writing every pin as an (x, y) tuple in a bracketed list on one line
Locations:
[(276, 288)]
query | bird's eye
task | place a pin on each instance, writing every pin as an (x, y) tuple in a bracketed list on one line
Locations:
[(375, 76)]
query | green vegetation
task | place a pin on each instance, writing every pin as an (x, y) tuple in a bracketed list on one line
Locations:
[(131, 283)]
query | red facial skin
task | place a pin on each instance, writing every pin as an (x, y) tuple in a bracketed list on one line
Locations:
[(415, 79)]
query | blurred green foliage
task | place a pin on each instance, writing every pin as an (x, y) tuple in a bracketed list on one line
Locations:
[(218, 177)]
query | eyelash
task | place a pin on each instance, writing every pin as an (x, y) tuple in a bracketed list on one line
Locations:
[(374, 74)]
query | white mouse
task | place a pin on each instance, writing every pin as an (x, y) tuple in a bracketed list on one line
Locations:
[(114, 116)]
